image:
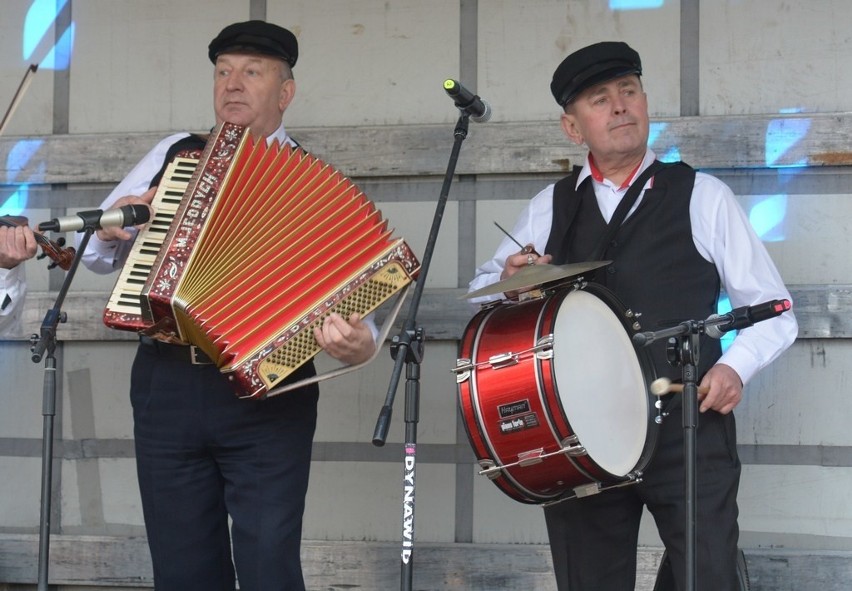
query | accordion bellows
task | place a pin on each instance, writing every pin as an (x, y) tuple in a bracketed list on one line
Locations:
[(250, 251)]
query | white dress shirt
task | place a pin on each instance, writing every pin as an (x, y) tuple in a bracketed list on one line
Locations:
[(13, 290), (721, 233)]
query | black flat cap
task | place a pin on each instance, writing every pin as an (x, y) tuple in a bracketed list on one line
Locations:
[(257, 37), (592, 65)]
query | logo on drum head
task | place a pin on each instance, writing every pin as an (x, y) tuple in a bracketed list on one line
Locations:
[(513, 408)]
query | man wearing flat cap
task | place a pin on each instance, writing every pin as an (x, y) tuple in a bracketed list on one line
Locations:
[(203, 456), (675, 237)]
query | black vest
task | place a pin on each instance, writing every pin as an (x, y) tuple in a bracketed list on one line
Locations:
[(656, 269)]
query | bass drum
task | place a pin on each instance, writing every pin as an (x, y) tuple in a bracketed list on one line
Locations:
[(554, 395)]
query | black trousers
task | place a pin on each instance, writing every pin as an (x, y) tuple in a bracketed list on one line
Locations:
[(204, 456), (593, 539)]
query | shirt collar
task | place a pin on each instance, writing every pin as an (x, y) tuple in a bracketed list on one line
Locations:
[(280, 134), (591, 170)]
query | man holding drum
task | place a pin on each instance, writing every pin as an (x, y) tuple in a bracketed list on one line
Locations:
[(682, 240)]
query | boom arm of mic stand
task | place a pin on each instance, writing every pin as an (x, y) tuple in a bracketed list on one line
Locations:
[(402, 342), (646, 338)]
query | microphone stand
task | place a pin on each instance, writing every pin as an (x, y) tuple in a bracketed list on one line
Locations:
[(44, 345), (683, 349), (408, 347)]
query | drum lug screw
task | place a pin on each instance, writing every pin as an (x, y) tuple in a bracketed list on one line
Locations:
[(490, 469), (544, 347), (462, 370), (571, 446), (635, 317)]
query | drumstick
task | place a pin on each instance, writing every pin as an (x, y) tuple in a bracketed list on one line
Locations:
[(524, 249), (663, 386)]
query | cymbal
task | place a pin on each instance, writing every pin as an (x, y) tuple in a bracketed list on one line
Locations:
[(535, 275)]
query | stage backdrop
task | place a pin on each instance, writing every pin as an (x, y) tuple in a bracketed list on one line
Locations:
[(754, 91)]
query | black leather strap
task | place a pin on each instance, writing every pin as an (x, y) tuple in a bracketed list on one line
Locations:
[(623, 207), (187, 353)]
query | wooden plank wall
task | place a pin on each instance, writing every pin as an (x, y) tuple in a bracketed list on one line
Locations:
[(823, 312), (88, 126), (411, 155)]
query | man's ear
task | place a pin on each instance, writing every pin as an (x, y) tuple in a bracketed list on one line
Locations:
[(286, 94), (569, 127)]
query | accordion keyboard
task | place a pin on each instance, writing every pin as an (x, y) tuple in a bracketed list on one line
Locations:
[(125, 298)]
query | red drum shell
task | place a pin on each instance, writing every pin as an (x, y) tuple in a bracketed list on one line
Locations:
[(517, 405)]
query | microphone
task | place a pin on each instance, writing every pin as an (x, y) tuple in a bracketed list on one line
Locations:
[(127, 215), (718, 324), (478, 109)]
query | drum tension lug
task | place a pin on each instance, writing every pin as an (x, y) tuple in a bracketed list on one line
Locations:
[(660, 413), (462, 370), (544, 347), (490, 469), (571, 446)]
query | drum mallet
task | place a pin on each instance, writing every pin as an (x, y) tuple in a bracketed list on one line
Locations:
[(663, 386)]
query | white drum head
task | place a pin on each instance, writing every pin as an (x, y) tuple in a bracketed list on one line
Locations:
[(600, 382)]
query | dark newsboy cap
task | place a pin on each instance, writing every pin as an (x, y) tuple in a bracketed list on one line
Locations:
[(592, 65), (256, 36)]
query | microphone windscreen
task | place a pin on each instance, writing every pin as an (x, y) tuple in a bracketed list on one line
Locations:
[(139, 214), (486, 113)]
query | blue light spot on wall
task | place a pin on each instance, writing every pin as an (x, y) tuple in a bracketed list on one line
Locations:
[(16, 161), (673, 155), (635, 4), (38, 43), (59, 57), (16, 202), (782, 135), (19, 156), (664, 153), (39, 19), (655, 129), (723, 307), (767, 217)]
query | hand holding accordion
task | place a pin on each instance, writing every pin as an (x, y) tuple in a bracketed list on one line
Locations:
[(234, 270)]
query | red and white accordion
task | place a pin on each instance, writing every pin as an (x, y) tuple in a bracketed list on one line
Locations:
[(250, 248)]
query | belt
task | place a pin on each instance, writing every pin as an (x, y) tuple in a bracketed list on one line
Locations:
[(188, 353)]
